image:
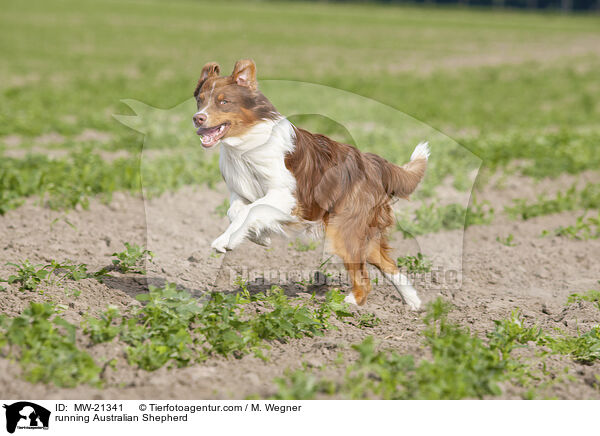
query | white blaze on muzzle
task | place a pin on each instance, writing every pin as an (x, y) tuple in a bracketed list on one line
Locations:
[(203, 111)]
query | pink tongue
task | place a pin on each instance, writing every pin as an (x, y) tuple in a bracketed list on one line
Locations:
[(208, 141)]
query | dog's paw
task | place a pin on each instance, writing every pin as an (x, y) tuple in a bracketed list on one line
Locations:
[(350, 299), (221, 244), (407, 292), (236, 239), (410, 297)]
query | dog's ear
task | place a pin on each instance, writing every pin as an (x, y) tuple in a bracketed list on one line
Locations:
[(209, 70), (244, 73)]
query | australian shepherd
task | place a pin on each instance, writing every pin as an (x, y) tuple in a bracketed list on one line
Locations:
[(281, 175)]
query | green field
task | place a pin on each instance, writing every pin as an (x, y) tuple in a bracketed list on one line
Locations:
[(508, 93), (503, 85)]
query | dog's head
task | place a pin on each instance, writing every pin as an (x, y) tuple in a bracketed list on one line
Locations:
[(228, 106)]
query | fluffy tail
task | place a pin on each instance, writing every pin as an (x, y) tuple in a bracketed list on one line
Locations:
[(401, 181)]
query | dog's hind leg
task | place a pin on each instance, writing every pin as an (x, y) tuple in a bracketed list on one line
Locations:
[(378, 256), (353, 253)]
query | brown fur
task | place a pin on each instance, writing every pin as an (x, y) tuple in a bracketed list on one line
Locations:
[(244, 104), (350, 192)]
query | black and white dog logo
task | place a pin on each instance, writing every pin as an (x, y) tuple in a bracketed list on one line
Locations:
[(26, 415)]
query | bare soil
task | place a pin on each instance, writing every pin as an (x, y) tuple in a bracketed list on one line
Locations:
[(536, 276)]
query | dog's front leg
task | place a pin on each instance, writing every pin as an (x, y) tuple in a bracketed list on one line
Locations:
[(236, 204), (239, 226), (266, 213)]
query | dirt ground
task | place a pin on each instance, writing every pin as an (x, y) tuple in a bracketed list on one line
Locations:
[(536, 276)]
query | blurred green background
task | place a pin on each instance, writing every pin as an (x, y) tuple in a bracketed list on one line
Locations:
[(510, 86)]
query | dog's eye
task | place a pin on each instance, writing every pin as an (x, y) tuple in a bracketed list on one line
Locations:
[(224, 101)]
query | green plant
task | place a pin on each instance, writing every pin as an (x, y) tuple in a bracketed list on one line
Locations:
[(159, 331), (511, 333), (45, 346), (228, 328), (461, 365), (74, 272), (591, 296), (430, 219), (172, 326), (221, 210), (103, 329), (367, 320), (64, 183), (241, 283), (301, 385), (156, 333), (132, 258), (543, 206), (479, 214), (28, 276), (73, 293), (414, 264), (301, 246), (508, 240), (283, 319), (323, 267), (583, 229), (570, 199), (584, 348)]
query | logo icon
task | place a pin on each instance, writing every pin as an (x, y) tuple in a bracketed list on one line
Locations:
[(26, 415)]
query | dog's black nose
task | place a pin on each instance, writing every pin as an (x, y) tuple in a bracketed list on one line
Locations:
[(199, 119)]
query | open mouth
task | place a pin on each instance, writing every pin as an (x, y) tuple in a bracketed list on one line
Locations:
[(211, 135)]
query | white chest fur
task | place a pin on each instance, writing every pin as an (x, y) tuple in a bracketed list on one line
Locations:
[(262, 189), (254, 164)]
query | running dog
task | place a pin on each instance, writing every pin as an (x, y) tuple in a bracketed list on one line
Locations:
[(281, 175)]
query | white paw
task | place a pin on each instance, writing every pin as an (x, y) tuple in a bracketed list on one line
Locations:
[(236, 239), (350, 299), (410, 297), (221, 244), (406, 290)]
